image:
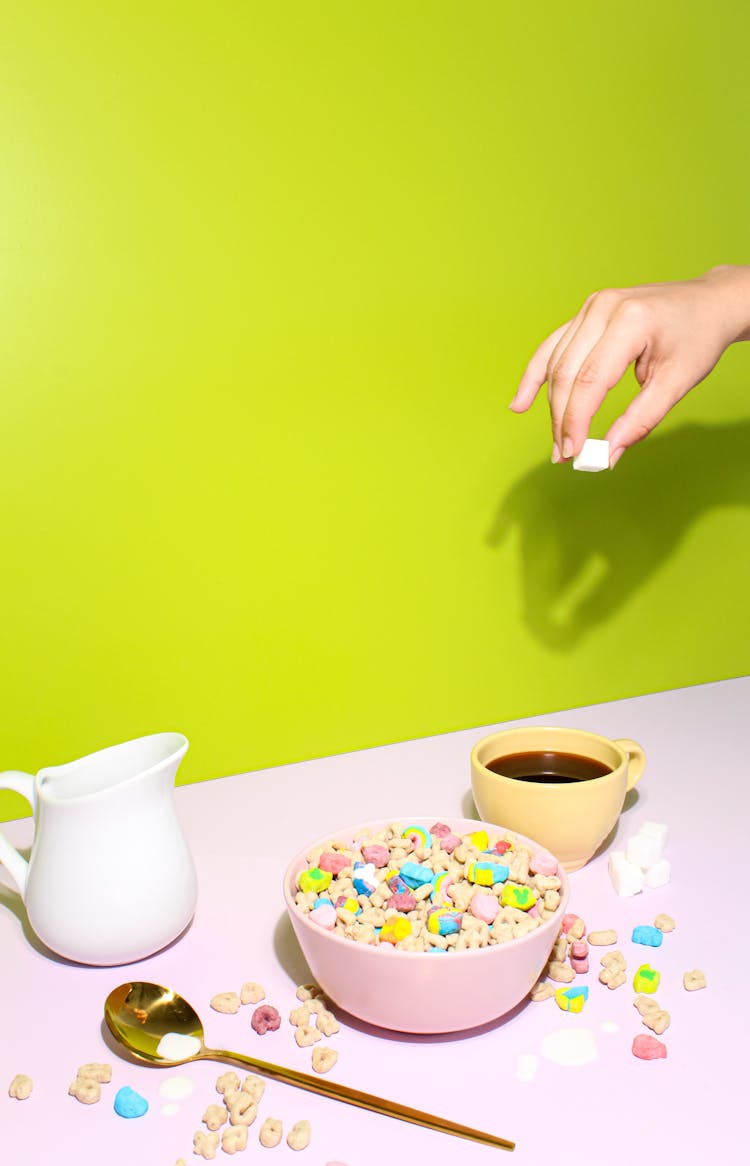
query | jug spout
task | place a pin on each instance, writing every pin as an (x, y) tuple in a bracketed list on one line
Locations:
[(15, 864)]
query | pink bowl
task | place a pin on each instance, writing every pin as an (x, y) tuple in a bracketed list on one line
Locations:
[(418, 991)]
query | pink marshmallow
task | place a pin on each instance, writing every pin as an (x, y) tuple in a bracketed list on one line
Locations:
[(378, 855), (484, 907), (331, 861), (324, 915), (543, 863)]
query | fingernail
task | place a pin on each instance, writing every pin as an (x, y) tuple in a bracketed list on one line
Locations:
[(555, 455), (615, 457), (567, 448)]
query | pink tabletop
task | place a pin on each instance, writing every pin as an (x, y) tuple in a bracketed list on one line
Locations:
[(565, 1087)]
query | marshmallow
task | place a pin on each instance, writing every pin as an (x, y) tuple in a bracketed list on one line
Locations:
[(659, 874), (627, 878), (593, 457)]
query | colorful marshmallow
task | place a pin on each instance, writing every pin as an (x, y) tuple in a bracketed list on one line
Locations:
[(571, 999), (487, 874), (443, 921), (314, 879), (646, 980), (484, 906), (395, 929), (416, 875), (364, 878), (522, 898), (421, 838), (649, 936), (323, 915)]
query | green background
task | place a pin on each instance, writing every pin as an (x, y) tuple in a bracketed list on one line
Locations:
[(269, 274)]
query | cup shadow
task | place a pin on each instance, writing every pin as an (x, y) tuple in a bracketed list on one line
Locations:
[(587, 546)]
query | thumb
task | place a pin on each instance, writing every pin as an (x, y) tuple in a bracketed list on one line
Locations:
[(642, 416)]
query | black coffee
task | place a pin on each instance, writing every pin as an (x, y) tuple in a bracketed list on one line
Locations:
[(548, 767)]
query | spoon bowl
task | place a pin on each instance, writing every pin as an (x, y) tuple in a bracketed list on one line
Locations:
[(140, 1014)]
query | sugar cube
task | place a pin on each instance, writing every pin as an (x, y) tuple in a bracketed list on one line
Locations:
[(659, 874), (627, 878), (643, 850), (594, 456)]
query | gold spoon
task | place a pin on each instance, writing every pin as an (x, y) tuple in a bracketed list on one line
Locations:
[(140, 1014)]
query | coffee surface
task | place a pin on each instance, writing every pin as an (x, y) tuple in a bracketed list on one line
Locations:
[(548, 767)]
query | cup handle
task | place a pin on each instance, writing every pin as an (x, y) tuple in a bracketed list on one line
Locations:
[(636, 759), (17, 866)]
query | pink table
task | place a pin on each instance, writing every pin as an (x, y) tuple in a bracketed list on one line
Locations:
[(508, 1077)]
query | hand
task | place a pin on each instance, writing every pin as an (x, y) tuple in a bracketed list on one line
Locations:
[(673, 333)]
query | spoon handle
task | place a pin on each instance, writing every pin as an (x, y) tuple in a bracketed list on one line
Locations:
[(357, 1097)]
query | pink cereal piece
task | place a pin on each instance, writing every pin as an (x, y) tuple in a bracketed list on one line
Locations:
[(324, 915), (543, 863), (569, 921), (534, 911), (648, 1048), (579, 949), (402, 901), (378, 855), (440, 830), (265, 1019), (333, 862), (484, 906), (449, 843), (579, 965)]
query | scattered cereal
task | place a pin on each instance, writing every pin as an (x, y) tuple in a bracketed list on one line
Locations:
[(128, 1103), (694, 980), (228, 1002), (299, 1136), (254, 1085), (228, 1082), (215, 1117), (252, 993), (85, 1090), (306, 1035), (205, 1145), (560, 972), (233, 1139), (270, 1132), (243, 1110), (541, 991), (20, 1087), (308, 991), (648, 1048), (602, 938), (665, 923), (96, 1072), (265, 1019), (323, 1059)]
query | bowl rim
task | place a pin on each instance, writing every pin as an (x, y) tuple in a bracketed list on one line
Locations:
[(296, 864)]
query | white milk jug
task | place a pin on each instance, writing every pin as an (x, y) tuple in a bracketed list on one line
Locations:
[(110, 878)]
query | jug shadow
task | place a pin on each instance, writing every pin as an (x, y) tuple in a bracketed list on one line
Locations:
[(586, 546), (289, 955)]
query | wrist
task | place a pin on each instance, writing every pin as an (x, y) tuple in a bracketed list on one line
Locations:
[(730, 287)]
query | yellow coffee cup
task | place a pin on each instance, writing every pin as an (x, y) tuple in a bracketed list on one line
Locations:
[(570, 817)]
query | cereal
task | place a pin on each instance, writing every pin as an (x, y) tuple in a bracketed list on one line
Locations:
[(252, 993), (665, 923), (308, 991), (306, 1035), (228, 1002), (96, 1071), (215, 1117), (20, 1087), (270, 1132), (85, 1090), (298, 1137), (324, 1059), (205, 1145), (243, 1110), (694, 981), (255, 1086), (613, 970), (541, 991), (573, 926), (648, 1048), (327, 1023), (657, 1020), (602, 938), (265, 1019), (560, 972), (228, 1082), (233, 1139), (415, 890)]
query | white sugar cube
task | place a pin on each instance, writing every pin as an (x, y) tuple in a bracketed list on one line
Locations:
[(593, 457), (659, 874), (627, 878), (643, 850), (655, 830)]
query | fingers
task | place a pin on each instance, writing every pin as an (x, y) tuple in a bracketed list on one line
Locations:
[(536, 371), (642, 415), (605, 364), (569, 357)]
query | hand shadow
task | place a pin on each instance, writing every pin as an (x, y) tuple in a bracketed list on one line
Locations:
[(586, 545)]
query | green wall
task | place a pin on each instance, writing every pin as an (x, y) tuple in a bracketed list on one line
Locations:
[(269, 273)]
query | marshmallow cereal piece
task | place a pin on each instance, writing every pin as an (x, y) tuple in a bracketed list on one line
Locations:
[(659, 874), (270, 1132), (648, 936), (395, 929), (646, 980), (694, 981), (484, 906), (571, 999), (334, 862), (420, 837), (20, 1087), (627, 878), (323, 915), (648, 1048), (594, 456), (129, 1104), (298, 1137), (543, 863)]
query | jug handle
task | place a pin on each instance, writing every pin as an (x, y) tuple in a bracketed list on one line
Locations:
[(17, 866)]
